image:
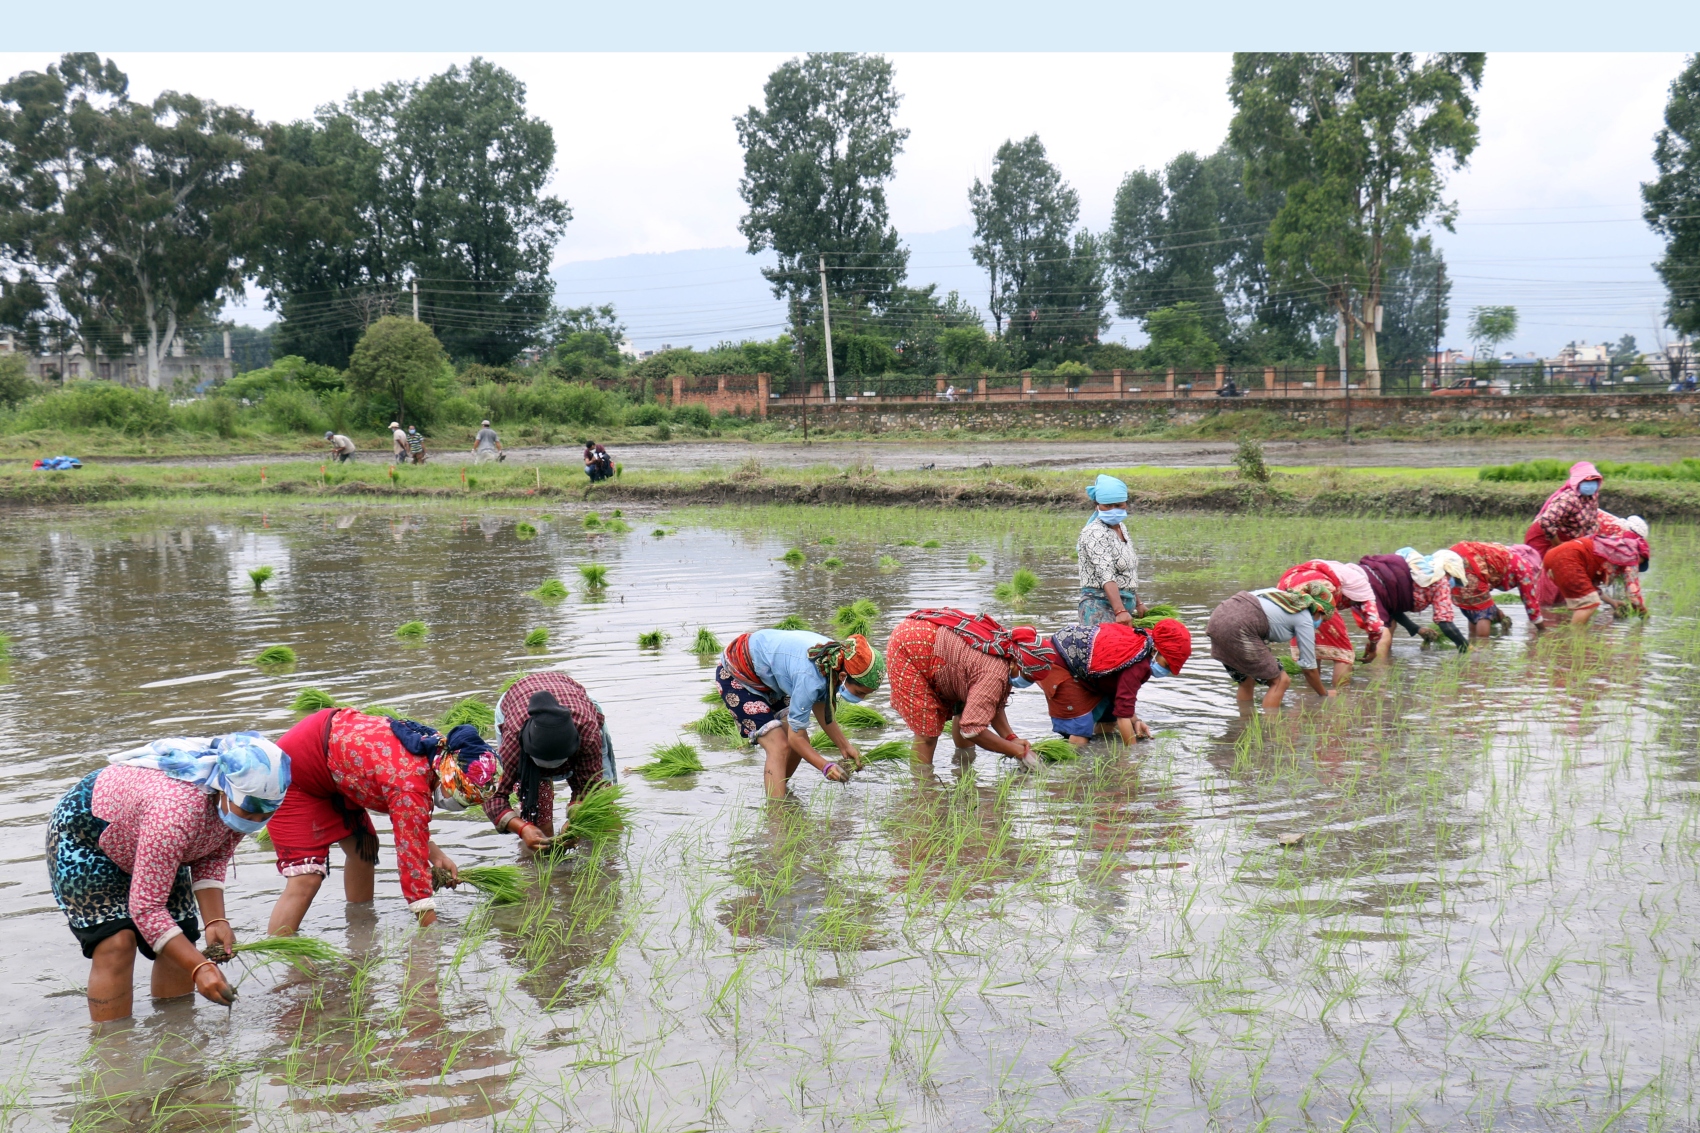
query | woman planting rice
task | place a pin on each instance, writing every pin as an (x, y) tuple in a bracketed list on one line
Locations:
[(1575, 571), (1349, 588), (1569, 513), (947, 665), (346, 763), (1495, 566), (133, 848), (1241, 629), (1109, 663), (1109, 566), (1408, 583), (551, 730), (773, 679)]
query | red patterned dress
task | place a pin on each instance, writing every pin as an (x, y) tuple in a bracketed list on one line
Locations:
[(1332, 644), (1495, 566)]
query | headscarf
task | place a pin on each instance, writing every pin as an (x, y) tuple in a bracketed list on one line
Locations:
[(1450, 562), (1638, 525), (1426, 570), (1625, 550), (1173, 641), (251, 771), (982, 632), (547, 742), (1107, 490), (466, 766), (1580, 471), (1313, 595)]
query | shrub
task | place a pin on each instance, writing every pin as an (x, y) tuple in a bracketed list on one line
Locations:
[(101, 405), (696, 416), (16, 385), (1249, 460), (208, 415), (293, 411), (647, 414)]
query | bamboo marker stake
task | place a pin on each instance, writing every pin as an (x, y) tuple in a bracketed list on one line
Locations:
[(539, 470), (463, 477)]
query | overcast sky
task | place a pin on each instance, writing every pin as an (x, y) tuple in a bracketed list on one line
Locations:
[(649, 161)]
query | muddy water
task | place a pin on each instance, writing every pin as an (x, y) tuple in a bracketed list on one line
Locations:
[(1462, 895)]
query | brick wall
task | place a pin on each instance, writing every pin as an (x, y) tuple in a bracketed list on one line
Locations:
[(744, 394)]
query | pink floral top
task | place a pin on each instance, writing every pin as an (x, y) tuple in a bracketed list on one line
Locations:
[(1439, 595), (156, 824), (371, 769)]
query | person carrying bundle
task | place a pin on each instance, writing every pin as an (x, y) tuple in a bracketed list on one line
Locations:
[(1569, 513), (773, 680), (1349, 588), (1408, 583), (1496, 566), (1242, 628), (551, 730), (1109, 566), (1576, 571), (1095, 686), (136, 846), (346, 763), (952, 667)]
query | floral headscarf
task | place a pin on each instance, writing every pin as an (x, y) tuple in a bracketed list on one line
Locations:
[(251, 771), (1315, 595)]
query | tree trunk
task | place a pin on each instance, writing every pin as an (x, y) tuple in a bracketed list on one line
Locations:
[(156, 349), (1372, 357)]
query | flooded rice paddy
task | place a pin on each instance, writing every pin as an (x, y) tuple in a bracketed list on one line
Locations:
[(1462, 897)]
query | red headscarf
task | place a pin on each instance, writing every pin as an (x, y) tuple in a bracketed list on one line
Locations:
[(1174, 641)]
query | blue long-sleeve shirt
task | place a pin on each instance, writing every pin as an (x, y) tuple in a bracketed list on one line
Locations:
[(780, 658)]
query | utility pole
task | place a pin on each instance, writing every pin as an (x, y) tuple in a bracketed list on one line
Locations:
[(826, 319), (1439, 282), (1340, 340), (416, 300)]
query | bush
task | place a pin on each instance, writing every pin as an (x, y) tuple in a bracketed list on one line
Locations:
[(647, 414), (696, 416), (16, 385), (1249, 460), (293, 410), (1073, 370), (208, 415), (101, 405)]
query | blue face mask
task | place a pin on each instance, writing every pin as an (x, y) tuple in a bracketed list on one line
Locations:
[(1588, 487), (1158, 669), (1112, 517), (844, 693), (1020, 682), (239, 824)]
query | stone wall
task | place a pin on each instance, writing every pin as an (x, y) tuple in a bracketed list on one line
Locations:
[(1296, 413)]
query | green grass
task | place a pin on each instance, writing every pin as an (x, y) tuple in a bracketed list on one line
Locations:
[(312, 700), (552, 590), (260, 576), (651, 639), (524, 530), (718, 722), (412, 631), (1056, 751), (705, 644), (595, 575), (792, 621), (856, 617), (859, 717), (469, 711), (275, 655), (503, 884), (537, 638), (671, 762)]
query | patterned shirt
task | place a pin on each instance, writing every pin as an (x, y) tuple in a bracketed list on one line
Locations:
[(1356, 591), (157, 824), (584, 769), (1494, 566), (1570, 516), (1438, 595), (371, 769), (977, 681), (1106, 555)]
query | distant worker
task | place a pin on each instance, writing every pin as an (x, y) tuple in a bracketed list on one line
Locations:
[(598, 465), (486, 445), (342, 449), (416, 444), (398, 437)]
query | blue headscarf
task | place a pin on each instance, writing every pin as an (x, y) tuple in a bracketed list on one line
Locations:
[(252, 771), (463, 742), (1107, 490)]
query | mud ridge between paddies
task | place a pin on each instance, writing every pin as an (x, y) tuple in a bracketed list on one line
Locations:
[(1328, 491)]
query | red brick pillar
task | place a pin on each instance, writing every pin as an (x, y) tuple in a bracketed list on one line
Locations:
[(1321, 380), (938, 385), (720, 384), (678, 389), (1169, 382), (1221, 372), (1116, 383), (1027, 383), (1268, 378), (762, 383), (980, 388)]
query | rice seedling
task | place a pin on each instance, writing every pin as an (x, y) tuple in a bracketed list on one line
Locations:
[(820, 741), (259, 576), (1015, 591), (273, 656), (659, 533), (857, 617), (538, 638), (833, 563), (705, 644), (791, 621), (907, 543), (888, 751), (595, 575), (301, 951), (718, 722), (975, 562), (412, 631), (931, 545), (827, 541), (263, 837), (793, 557), (651, 639), (552, 590), (312, 700), (618, 513), (591, 519), (503, 884), (859, 717), (382, 710), (888, 563), (616, 527), (1056, 751), (1155, 614), (469, 711), (601, 814), (712, 696), (524, 530), (511, 681), (671, 762)]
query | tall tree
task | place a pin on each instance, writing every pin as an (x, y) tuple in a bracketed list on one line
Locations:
[(1356, 141), (1416, 297), (139, 212), (1047, 283), (817, 156), (1673, 199)]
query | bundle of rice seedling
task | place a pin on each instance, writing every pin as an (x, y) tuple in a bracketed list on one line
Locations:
[(5, 647), (259, 575), (670, 762), (718, 722), (828, 541), (511, 681), (382, 710), (602, 814), (1290, 666), (791, 621), (524, 530), (1155, 614), (312, 700), (617, 527), (857, 617), (889, 564), (263, 837), (275, 655), (537, 638), (706, 644), (659, 533), (820, 741), (1056, 751), (712, 696), (651, 640), (889, 750), (1016, 590), (618, 513), (593, 520), (503, 884), (412, 631), (858, 717), (975, 562), (595, 575), (907, 543), (300, 951), (552, 590), (469, 711), (833, 563), (793, 557), (931, 545)]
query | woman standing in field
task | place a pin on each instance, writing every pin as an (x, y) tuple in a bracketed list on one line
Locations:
[(1577, 570), (346, 763), (1569, 513), (1110, 662), (774, 680), (1109, 566), (133, 848), (1495, 566), (1242, 628), (949, 666)]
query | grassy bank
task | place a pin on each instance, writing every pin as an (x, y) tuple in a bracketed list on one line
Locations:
[(1387, 491)]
